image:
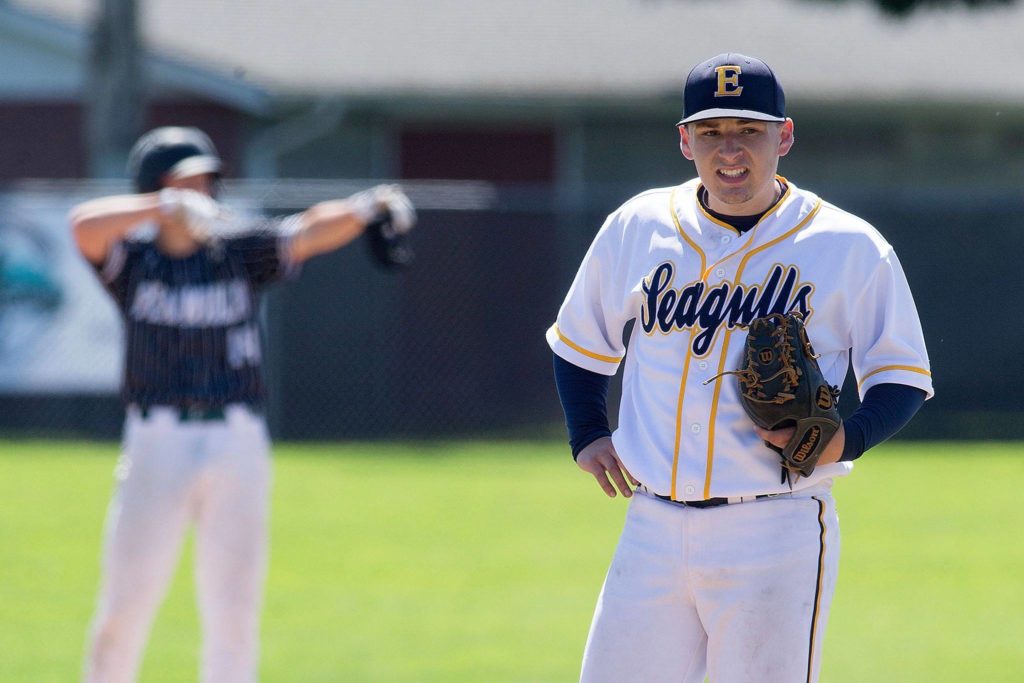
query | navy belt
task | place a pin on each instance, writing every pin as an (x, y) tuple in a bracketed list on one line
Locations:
[(711, 502), (187, 413)]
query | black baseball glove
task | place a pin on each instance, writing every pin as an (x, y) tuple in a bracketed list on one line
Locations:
[(389, 217), (388, 248), (781, 386)]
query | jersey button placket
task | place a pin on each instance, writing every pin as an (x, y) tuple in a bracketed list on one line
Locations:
[(693, 432)]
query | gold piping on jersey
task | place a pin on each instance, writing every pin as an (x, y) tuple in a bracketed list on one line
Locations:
[(817, 589), (723, 224), (576, 347), (908, 368), (689, 349), (728, 332)]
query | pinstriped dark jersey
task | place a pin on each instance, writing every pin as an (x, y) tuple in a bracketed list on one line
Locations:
[(191, 324)]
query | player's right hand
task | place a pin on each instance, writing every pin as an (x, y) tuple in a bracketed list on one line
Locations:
[(196, 210), (600, 459)]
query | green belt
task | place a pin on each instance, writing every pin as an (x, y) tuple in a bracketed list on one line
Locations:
[(189, 413)]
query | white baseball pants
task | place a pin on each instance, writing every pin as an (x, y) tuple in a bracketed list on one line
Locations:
[(216, 476), (737, 593)]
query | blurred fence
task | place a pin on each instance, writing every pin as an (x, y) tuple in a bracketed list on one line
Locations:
[(454, 345)]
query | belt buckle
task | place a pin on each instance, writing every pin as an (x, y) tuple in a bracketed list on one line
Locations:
[(696, 504)]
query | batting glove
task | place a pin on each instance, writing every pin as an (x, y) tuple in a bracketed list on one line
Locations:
[(198, 211), (385, 201)]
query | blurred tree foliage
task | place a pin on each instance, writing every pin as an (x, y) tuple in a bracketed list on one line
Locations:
[(905, 7)]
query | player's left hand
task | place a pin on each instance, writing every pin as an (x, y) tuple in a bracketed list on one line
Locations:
[(393, 201), (780, 437), (388, 216), (385, 204)]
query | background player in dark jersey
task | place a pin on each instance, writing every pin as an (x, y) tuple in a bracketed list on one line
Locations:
[(196, 450)]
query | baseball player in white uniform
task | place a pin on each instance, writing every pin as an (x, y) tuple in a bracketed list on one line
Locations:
[(196, 450), (725, 569)]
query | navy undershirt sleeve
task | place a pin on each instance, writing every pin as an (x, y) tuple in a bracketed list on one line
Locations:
[(885, 410), (584, 397)]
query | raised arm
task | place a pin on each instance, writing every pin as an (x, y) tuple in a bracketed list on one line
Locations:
[(100, 223), (185, 218), (332, 224)]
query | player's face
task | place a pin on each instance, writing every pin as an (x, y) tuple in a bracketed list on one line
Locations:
[(736, 160), (204, 183)]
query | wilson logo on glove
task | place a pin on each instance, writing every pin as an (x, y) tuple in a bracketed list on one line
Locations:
[(807, 444), (782, 386), (825, 400)]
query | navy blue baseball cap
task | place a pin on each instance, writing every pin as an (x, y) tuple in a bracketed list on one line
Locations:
[(732, 85)]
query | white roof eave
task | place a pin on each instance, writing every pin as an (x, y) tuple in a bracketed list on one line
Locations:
[(70, 41)]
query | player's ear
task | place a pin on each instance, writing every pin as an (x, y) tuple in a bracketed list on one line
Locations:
[(786, 137), (684, 143)]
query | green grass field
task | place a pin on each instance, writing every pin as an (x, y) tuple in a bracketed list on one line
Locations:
[(482, 561)]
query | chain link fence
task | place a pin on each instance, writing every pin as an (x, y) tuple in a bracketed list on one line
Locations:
[(454, 345)]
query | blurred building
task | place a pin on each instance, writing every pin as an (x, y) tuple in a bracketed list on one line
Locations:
[(563, 110), (566, 93)]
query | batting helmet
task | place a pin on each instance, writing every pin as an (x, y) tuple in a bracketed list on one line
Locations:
[(180, 152)]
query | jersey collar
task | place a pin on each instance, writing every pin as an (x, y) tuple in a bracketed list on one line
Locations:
[(772, 209)]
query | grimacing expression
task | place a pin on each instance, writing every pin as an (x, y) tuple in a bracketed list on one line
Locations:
[(736, 160)]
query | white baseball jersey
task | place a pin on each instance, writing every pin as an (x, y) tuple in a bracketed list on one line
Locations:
[(691, 282)]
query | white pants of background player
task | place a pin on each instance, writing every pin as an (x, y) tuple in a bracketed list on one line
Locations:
[(214, 475), (739, 593)]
